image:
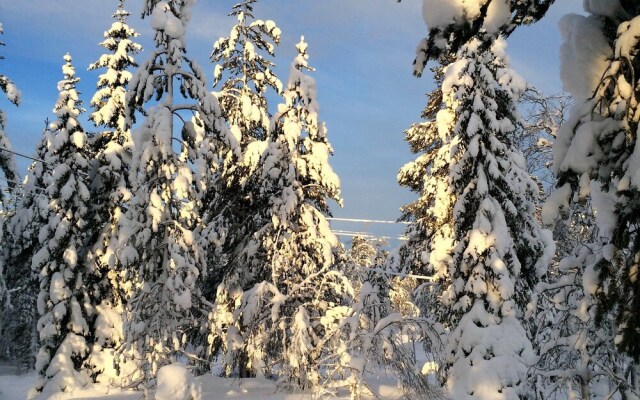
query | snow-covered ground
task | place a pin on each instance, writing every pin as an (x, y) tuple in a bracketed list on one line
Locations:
[(13, 387)]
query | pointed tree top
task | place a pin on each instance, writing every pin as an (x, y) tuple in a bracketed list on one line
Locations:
[(176, 6), (121, 14), (242, 10), (300, 61), (68, 69), (302, 47)]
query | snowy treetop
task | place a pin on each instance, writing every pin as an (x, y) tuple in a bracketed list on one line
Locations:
[(439, 14), (163, 19), (121, 14), (108, 100), (243, 60), (453, 23), (175, 5), (302, 86), (67, 109), (242, 44)]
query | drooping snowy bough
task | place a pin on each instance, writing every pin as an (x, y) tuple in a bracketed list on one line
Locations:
[(577, 356), (596, 159), (454, 23), (597, 156)]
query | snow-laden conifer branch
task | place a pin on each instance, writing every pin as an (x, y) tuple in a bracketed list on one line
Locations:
[(454, 23)]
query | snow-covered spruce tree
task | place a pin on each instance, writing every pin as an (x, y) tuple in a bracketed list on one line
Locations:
[(290, 282), (21, 231), (64, 303), (297, 320), (110, 190), (367, 261), (162, 257), (371, 337), (484, 248), (244, 75), (597, 156), (9, 170)]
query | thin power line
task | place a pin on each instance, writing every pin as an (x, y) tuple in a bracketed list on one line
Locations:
[(22, 155), (35, 159), (337, 232), (402, 275), (369, 221), (366, 235)]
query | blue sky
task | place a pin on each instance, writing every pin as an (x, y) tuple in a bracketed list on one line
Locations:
[(362, 50)]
